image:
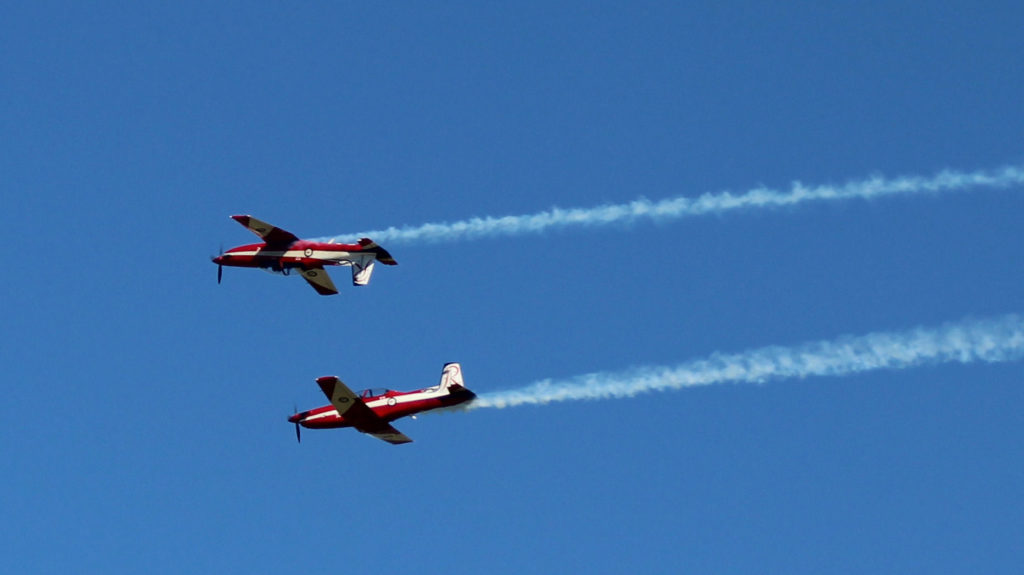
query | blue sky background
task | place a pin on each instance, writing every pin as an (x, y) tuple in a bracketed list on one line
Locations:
[(145, 406)]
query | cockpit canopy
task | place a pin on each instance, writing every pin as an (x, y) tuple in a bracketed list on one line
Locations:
[(374, 392)]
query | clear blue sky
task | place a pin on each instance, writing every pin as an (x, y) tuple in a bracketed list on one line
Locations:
[(145, 406)]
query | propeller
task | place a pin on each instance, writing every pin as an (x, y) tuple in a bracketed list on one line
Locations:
[(220, 267), (298, 429)]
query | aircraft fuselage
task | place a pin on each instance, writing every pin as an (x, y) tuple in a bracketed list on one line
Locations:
[(302, 254), (388, 406)]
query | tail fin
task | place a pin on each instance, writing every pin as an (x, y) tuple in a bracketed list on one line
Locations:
[(362, 269), (451, 377), (362, 264)]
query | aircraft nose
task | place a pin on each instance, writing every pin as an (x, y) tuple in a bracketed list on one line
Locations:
[(295, 418)]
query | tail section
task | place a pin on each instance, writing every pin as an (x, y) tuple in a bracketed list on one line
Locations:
[(451, 390), (451, 378), (380, 253), (362, 269), (362, 265)]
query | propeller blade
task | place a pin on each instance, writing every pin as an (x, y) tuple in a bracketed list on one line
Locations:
[(298, 432), (220, 267)]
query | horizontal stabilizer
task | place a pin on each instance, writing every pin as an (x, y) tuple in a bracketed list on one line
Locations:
[(380, 253)]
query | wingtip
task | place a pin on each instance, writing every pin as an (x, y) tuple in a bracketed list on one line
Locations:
[(326, 384)]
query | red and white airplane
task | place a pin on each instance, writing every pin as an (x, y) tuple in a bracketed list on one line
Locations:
[(372, 411), (282, 252)]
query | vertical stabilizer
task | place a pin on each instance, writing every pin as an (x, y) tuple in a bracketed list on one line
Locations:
[(451, 377), (362, 269)]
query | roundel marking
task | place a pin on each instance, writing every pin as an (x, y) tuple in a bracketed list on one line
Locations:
[(308, 252), (392, 401)]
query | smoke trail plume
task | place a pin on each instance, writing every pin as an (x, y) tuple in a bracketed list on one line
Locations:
[(682, 206), (991, 340)]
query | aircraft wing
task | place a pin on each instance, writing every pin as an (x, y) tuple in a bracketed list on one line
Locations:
[(270, 234), (353, 409), (321, 282)]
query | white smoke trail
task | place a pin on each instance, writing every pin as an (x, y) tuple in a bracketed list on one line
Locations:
[(682, 206), (991, 340)]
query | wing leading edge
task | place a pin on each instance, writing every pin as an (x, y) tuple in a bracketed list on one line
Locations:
[(271, 234), (355, 410)]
